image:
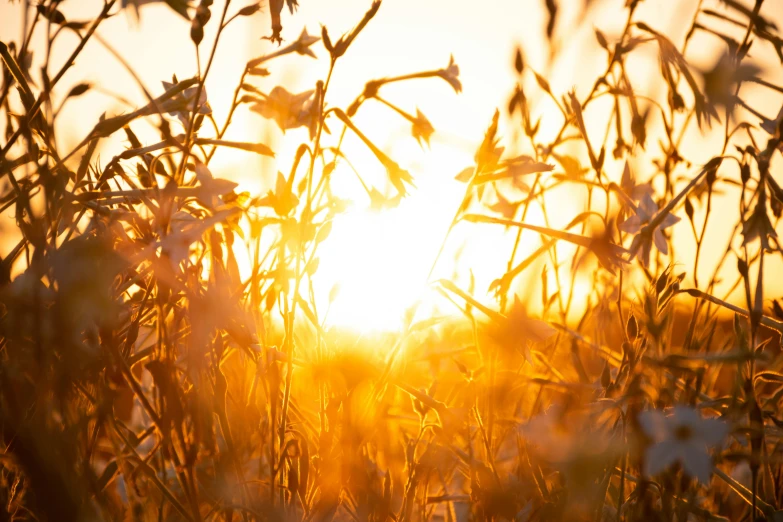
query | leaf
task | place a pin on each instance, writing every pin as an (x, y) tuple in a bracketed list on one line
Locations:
[(76, 26), (258, 71), (78, 90), (326, 40), (608, 253), (305, 307), (345, 41), (51, 14), (576, 107), (513, 170), (758, 20), (258, 148), (488, 154), (601, 39), (573, 169), (249, 10), (542, 83), (465, 174), (13, 67), (551, 9), (582, 216), (180, 7), (165, 102), (109, 472), (632, 328), (334, 292), (519, 63), (451, 287), (323, 232), (769, 376)]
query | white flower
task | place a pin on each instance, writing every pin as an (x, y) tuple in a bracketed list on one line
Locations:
[(632, 189), (645, 213), (451, 75), (422, 128), (212, 188), (682, 436), (303, 43), (188, 96)]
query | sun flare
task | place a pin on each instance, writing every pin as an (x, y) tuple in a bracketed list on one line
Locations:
[(377, 267), (379, 261)]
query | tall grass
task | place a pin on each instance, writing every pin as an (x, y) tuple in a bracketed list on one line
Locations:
[(144, 378)]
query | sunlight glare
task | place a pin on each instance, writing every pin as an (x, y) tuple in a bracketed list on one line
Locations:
[(380, 260)]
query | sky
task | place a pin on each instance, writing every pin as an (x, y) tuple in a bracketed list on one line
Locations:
[(391, 255)]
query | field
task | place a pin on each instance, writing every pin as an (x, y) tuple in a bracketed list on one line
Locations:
[(270, 288)]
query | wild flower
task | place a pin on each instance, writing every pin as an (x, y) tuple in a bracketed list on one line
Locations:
[(451, 75), (684, 437), (288, 110), (635, 191), (211, 188), (283, 199), (422, 128), (503, 206), (771, 126), (720, 82), (187, 98), (643, 215), (304, 42)]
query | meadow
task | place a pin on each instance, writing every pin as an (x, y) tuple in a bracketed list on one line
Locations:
[(598, 335)]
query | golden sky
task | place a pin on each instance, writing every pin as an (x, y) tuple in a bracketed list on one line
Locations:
[(389, 255)]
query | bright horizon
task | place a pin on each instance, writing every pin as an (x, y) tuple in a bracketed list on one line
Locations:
[(380, 261)]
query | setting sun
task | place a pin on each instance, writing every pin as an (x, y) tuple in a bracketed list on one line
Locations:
[(378, 263)]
